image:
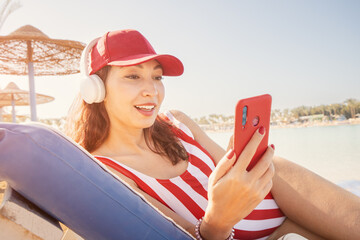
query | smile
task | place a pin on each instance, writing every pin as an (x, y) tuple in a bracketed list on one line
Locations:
[(145, 107)]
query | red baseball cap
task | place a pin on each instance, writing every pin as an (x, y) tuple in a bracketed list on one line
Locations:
[(127, 48)]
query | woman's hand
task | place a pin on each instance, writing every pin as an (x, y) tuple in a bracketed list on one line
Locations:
[(233, 191)]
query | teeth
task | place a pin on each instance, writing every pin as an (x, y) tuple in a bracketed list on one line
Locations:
[(145, 107)]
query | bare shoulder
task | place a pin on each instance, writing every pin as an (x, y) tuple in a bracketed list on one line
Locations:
[(191, 124), (200, 135), (181, 116)]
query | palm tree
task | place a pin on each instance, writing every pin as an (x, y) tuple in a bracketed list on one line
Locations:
[(351, 103), (204, 120)]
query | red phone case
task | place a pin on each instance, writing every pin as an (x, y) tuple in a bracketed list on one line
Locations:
[(258, 107)]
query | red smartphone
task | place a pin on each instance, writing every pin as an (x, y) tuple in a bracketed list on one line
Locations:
[(251, 114)]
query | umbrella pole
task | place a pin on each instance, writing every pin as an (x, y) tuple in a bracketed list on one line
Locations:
[(31, 81), (32, 92), (13, 109)]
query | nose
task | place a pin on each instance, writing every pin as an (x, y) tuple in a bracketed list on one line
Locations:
[(150, 88)]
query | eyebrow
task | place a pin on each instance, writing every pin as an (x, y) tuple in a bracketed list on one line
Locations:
[(156, 67)]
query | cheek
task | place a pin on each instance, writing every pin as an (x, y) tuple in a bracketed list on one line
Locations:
[(115, 99), (161, 91), (110, 95), (118, 92)]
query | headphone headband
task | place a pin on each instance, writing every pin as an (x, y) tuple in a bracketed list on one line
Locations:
[(84, 60)]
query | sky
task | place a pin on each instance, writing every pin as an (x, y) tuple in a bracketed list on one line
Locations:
[(302, 52)]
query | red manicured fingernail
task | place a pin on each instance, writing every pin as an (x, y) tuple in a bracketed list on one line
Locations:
[(262, 130), (230, 154), (272, 146)]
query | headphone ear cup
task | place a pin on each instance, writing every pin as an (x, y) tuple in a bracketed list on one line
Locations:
[(92, 89), (100, 89)]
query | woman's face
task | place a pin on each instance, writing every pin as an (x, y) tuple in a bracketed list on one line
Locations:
[(134, 94)]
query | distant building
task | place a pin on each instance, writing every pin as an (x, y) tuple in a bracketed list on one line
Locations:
[(341, 118), (311, 118)]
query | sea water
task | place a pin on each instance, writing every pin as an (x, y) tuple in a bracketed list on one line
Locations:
[(332, 152)]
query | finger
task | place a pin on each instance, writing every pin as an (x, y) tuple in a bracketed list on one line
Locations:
[(231, 143), (267, 188), (267, 177), (224, 165), (262, 166), (247, 154)]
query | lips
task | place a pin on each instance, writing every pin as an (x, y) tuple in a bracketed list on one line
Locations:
[(146, 109), (146, 106)]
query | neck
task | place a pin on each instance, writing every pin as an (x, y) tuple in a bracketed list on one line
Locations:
[(123, 141)]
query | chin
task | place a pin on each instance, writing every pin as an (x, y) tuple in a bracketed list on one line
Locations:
[(147, 124)]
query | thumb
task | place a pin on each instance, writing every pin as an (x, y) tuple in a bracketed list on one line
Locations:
[(223, 166)]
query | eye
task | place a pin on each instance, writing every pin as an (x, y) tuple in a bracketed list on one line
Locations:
[(132, 76), (159, 78)]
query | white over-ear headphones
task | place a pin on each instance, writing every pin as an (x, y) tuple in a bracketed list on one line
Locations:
[(92, 88)]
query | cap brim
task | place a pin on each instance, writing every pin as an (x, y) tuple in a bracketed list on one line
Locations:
[(171, 65)]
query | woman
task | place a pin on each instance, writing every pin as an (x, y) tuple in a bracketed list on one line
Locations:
[(179, 169)]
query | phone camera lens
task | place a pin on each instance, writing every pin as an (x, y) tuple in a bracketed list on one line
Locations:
[(255, 121), (244, 115)]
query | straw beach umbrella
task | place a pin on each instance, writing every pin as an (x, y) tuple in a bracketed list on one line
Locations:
[(12, 95), (8, 117), (28, 51)]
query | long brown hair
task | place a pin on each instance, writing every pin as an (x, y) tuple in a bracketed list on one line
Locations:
[(89, 125)]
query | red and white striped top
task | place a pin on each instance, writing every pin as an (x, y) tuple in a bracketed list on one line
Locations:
[(187, 194)]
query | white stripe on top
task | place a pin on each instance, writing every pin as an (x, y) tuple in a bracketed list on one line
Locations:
[(194, 150), (196, 197), (199, 175), (179, 124), (267, 204), (256, 225)]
